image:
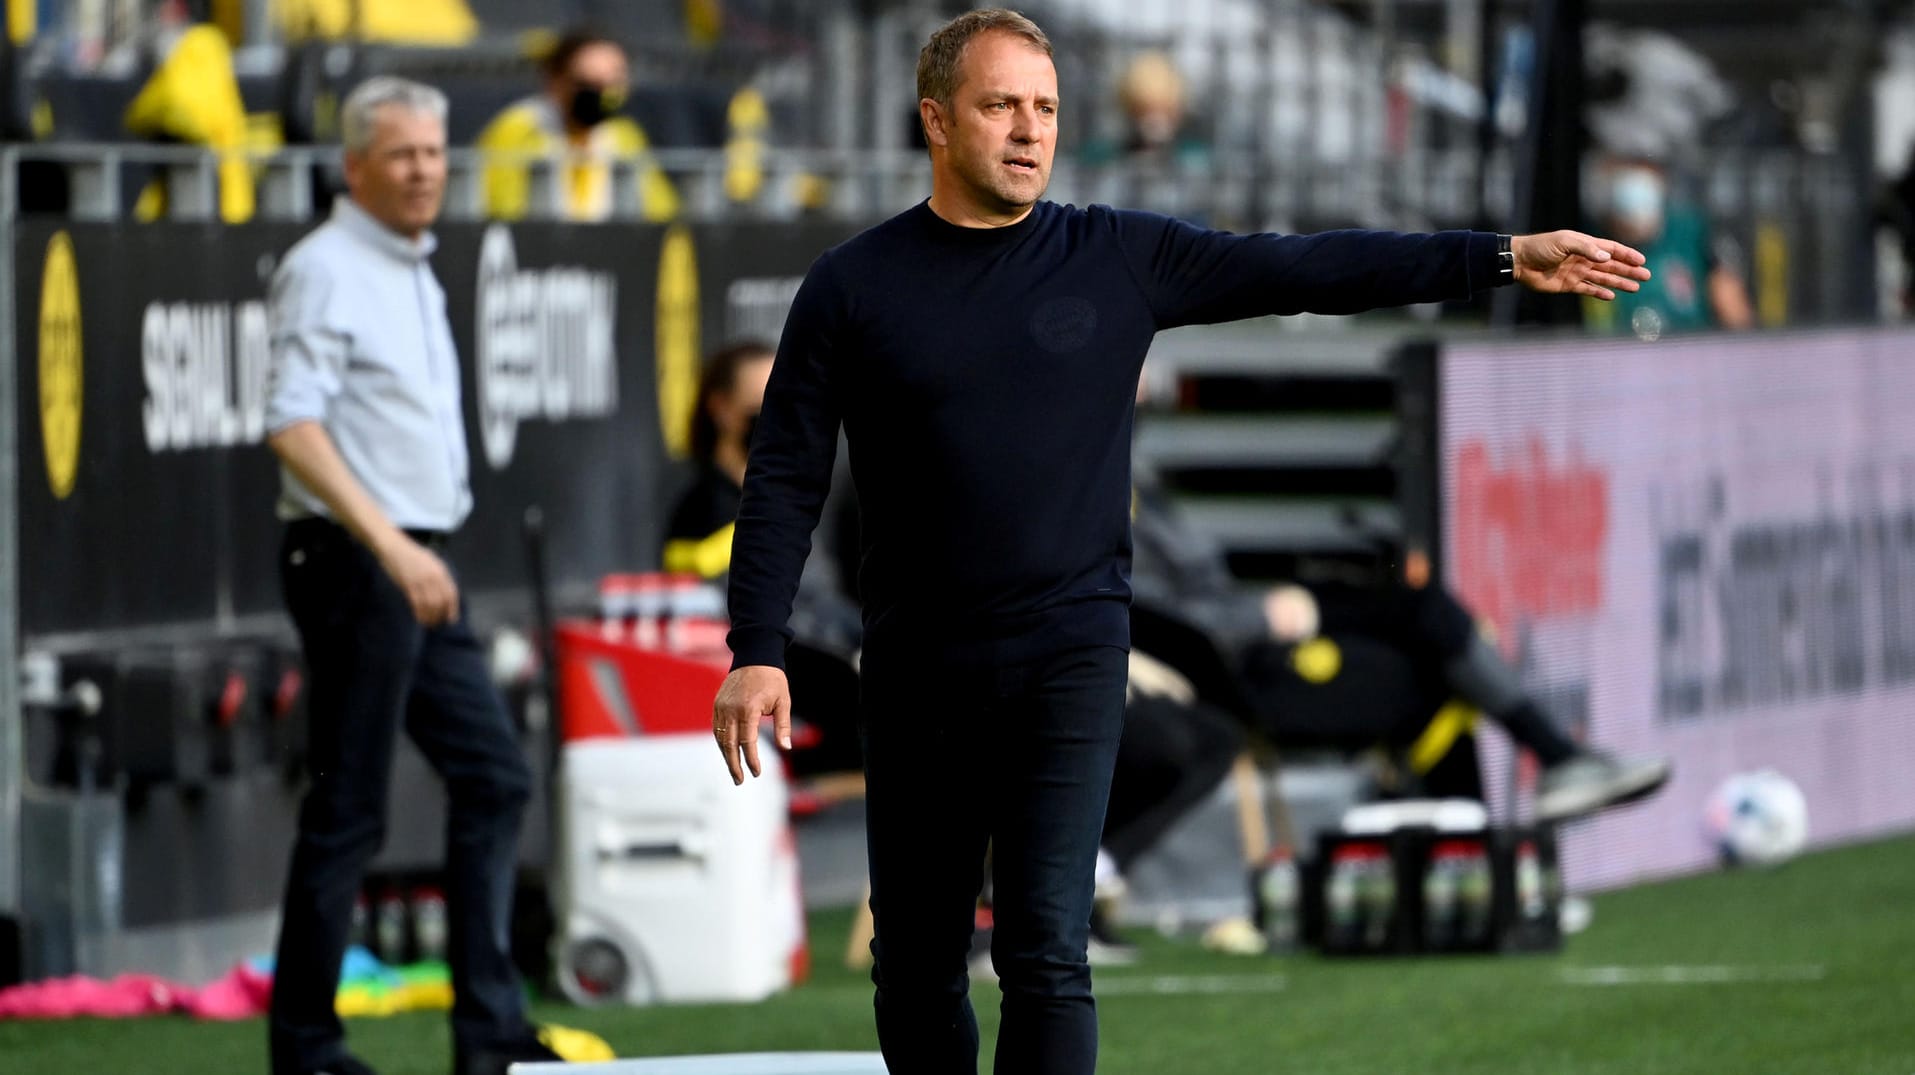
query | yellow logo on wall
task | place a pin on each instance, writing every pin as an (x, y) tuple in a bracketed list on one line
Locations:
[(677, 339), (60, 383)]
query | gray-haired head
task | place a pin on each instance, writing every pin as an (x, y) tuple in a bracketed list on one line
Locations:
[(360, 110)]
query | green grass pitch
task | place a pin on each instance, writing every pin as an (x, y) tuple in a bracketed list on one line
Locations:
[(1807, 969)]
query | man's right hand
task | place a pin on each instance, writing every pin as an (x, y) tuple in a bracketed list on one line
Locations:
[(308, 451), (423, 578), (748, 695)]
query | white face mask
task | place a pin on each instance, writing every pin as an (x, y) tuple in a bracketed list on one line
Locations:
[(1636, 197)]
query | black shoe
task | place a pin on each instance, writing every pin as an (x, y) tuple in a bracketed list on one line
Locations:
[(498, 1058)]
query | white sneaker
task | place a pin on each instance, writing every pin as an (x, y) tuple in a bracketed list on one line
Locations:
[(1108, 948), (1109, 884), (1589, 782)]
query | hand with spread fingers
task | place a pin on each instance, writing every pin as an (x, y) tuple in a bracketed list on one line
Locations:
[(1571, 263), (747, 696)]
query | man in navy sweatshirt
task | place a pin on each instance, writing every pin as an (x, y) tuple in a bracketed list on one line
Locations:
[(981, 353)]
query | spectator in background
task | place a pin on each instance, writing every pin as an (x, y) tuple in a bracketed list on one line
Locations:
[(1151, 159), (364, 416), (1157, 129), (576, 122), (193, 98), (1158, 126), (42, 186), (1694, 288), (731, 392), (1897, 209), (1177, 569), (1173, 751)]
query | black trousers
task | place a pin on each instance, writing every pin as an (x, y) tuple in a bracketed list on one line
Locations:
[(372, 667), (1016, 756), (1172, 756)]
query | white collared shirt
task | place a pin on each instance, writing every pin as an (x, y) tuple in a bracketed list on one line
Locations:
[(361, 345)]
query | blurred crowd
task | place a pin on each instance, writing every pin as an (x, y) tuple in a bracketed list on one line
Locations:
[(1296, 118)]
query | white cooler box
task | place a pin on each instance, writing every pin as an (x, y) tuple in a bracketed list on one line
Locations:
[(675, 886)]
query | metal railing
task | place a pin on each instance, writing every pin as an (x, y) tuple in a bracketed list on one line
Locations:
[(1229, 189)]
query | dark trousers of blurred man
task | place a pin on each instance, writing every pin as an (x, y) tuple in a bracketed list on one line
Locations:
[(372, 666)]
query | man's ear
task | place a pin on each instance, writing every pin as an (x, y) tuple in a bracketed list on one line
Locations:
[(932, 115)]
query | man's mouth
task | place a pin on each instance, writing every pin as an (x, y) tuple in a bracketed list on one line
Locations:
[(1021, 164)]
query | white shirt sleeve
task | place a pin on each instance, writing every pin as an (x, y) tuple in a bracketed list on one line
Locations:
[(309, 348)]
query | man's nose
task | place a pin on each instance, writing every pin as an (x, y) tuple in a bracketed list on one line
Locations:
[(1024, 126)]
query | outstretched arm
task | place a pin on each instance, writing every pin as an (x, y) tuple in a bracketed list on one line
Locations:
[(1190, 275)]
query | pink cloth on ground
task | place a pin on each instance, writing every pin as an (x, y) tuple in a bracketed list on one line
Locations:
[(241, 994), (67, 998)]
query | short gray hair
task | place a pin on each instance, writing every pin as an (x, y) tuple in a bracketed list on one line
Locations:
[(356, 115)]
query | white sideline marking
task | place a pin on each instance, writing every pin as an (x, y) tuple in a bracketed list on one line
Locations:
[(1187, 985), (1162, 985), (1704, 974)]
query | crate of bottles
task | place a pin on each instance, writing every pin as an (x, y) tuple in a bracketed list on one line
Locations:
[(1416, 889)]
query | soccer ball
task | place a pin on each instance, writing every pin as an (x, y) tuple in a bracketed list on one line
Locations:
[(1757, 819)]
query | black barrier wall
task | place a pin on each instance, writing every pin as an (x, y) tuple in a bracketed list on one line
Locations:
[(146, 497)]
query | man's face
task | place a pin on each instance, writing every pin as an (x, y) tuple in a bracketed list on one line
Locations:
[(594, 85), (400, 177), (735, 412), (1000, 131), (1638, 197)]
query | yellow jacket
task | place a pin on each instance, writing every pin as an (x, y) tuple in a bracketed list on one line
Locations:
[(408, 22), (194, 98), (532, 128)]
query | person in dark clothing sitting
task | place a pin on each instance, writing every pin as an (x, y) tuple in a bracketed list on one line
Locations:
[(1179, 568), (731, 391)]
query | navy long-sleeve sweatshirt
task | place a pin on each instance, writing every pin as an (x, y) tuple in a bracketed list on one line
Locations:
[(985, 379)]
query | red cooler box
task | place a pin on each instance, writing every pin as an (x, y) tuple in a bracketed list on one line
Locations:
[(611, 687)]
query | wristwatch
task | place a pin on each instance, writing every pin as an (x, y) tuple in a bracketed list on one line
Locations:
[(1505, 261)]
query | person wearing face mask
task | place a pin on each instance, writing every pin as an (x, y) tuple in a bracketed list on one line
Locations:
[(1693, 289), (577, 119)]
